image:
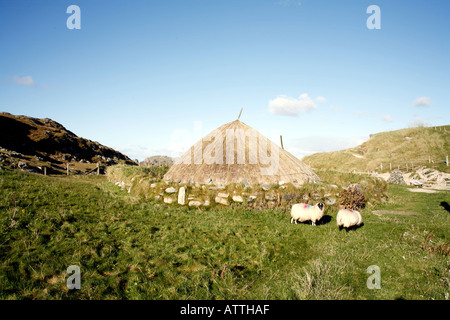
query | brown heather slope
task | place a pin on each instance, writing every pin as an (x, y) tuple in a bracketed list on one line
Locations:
[(28, 142)]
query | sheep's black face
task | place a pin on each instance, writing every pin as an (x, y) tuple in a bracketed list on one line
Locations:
[(320, 205)]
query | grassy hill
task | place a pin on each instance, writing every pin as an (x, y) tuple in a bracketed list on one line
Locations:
[(129, 248), (421, 146)]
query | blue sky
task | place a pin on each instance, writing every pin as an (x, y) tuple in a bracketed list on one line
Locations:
[(151, 77)]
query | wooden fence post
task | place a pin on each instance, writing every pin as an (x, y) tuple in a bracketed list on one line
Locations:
[(45, 171), (98, 168), (67, 168), (390, 166)]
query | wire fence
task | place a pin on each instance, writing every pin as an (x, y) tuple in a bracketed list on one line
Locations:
[(407, 166), (413, 165)]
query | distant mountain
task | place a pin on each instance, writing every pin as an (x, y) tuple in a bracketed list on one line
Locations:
[(44, 142), (157, 160), (420, 146)]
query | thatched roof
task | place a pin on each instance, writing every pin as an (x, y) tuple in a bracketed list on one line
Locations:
[(219, 158)]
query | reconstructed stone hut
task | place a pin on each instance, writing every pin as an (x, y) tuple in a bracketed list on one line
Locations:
[(236, 153)]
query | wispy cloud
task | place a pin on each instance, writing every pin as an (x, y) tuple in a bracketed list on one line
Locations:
[(418, 122), (422, 102), (321, 99), (335, 109), (287, 3), (289, 106), (24, 81), (387, 118), (141, 152)]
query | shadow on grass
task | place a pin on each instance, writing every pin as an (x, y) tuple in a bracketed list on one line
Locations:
[(445, 205), (325, 219), (353, 228)]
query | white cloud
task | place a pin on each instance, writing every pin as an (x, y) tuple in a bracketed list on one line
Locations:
[(24, 81), (289, 106), (422, 102), (321, 99), (387, 118)]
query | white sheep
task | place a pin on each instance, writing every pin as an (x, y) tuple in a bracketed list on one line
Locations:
[(304, 212), (347, 218)]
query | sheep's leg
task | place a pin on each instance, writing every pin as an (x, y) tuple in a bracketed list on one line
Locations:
[(313, 223)]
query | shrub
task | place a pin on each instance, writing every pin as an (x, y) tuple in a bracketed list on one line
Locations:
[(352, 198)]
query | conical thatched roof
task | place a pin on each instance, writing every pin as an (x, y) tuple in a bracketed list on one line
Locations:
[(219, 158)]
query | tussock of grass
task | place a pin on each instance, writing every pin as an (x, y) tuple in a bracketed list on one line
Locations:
[(320, 281)]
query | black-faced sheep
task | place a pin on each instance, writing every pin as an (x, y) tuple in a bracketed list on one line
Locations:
[(305, 212), (347, 218)]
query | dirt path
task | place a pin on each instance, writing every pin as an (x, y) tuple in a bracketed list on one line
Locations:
[(423, 190), (400, 213)]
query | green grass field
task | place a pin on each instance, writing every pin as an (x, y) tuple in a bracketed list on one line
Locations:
[(128, 248)]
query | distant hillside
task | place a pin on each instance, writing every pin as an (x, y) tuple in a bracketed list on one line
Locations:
[(422, 146), (157, 161), (28, 142)]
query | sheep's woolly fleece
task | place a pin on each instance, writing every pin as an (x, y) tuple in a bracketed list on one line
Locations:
[(348, 218), (304, 212)]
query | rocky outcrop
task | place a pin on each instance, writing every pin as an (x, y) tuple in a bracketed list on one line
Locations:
[(432, 178), (396, 177)]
